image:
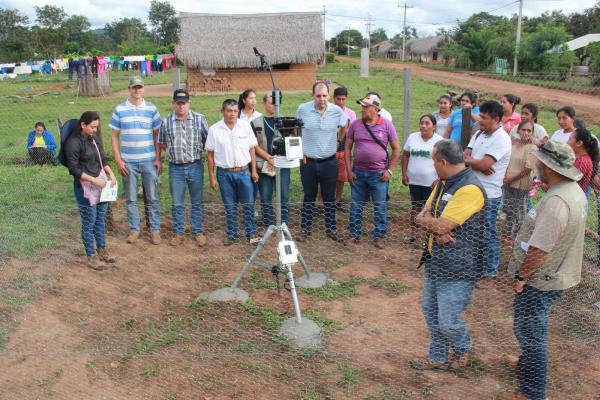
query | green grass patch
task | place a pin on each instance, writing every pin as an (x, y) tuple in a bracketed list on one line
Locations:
[(347, 289), (150, 370), (327, 325), (156, 336), (4, 337), (271, 319), (349, 378)]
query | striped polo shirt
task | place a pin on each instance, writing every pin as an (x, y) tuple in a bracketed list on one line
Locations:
[(319, 135), (136, 125)]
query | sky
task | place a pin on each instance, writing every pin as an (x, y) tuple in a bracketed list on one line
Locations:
[(425, 15)]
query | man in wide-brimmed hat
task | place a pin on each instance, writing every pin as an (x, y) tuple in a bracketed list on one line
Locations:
[(546, 260)]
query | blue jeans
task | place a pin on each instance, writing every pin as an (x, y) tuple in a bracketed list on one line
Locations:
[(189, 177), (266, 186), (92, 222), (150, 183), (237, 187), (492, 250), (368, 186), (443, 303), (315, 175), (532, 308)]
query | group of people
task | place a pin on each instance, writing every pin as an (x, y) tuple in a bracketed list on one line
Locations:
[(456, 196), (456, 193)]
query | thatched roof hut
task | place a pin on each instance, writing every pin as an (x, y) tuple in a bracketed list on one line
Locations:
[(226, 41)]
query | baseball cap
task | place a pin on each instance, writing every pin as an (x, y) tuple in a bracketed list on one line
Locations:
[(370, 100), (135, 81), (181, 95)]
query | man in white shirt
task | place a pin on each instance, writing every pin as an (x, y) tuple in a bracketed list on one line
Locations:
[(230, 146), (488, 154)]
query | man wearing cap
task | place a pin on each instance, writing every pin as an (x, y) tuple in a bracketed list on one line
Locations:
[(136, 123), (372, 169), (546, 260), (324, 123), (182, 135), (231, 148)]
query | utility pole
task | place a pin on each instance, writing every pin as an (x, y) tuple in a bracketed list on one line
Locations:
[(324, 39), (405, 6), (348, 48), (519, 21), (369, 24)]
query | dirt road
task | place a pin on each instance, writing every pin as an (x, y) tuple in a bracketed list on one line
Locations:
[(587, 106)]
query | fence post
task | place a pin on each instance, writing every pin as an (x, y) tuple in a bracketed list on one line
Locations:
[(364, 62), (176, 83), (407, 85)]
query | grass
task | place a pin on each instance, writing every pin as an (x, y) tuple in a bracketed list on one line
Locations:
[(347, 289), (350, 377), (156, 335)]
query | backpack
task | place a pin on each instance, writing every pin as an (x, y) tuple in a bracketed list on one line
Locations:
[(65, 132)]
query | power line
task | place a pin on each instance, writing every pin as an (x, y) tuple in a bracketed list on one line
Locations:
[(501, 7)]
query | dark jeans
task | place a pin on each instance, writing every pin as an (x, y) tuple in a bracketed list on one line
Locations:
[(237, 187), (40, 155), (92, 222), (532, 308), (315, 175), (266, 187)]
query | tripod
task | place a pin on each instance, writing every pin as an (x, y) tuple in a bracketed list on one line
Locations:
[(280, 229)]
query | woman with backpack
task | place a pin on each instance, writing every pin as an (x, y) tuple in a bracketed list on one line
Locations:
[(86, 162)]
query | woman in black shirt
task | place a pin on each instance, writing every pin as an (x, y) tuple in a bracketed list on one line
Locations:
[(87, 165)]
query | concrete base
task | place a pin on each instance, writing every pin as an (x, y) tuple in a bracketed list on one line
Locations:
[(306, 334), (316, 280), (225, 294)]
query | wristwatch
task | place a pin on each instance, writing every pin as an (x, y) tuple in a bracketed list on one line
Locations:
[(390, 171)]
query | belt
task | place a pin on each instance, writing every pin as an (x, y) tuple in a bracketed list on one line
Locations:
[(320, 160), (185, 164), (236, 169)]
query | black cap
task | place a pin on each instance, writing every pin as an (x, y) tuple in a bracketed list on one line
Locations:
[(181, 95)]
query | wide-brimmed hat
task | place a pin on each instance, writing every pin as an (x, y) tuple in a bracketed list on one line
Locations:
[(559, 158), (370, 100), (135, 81)]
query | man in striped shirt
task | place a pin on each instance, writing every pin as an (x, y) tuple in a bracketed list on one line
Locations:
[(182, 135), (135, 122), (324, 124)]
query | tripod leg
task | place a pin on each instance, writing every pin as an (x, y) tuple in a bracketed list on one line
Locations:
[(290, 279), (250, 260), (287, 233)]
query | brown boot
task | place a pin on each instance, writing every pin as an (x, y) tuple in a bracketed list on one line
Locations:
[(133, 237), (95, 263), (105, 256), (424, 363), (177, 241), (155, 238), (201, 240)]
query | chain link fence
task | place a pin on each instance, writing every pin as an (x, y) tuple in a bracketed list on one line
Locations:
[(138, 330)]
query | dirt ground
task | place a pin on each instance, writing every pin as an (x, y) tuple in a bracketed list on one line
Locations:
[(587, 106), (137, 332)]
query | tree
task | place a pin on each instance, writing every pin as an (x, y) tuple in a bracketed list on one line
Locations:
[(586, 22), (560, 61), (411, 33), (164, 22), (76, 29), (11, 20), (378, 36), (347, 37), (126, 28), (50, 16), (594, 51), (533, 54)]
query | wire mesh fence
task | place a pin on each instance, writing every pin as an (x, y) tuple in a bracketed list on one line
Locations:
[(137, 329), (588, 84)]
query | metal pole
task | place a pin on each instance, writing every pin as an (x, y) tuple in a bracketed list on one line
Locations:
[(407, 84), (324, 40), (404, 33), (516, 63), (348, 49)]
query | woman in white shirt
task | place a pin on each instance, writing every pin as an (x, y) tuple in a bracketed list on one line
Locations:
[(442, 115), (247, 106), (566, 120), (417, 167)]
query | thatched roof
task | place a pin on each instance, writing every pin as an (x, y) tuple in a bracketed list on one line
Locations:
[(226, 41), (384, 47), (420, 46)]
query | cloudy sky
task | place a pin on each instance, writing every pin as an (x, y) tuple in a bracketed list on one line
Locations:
[(426, 15)]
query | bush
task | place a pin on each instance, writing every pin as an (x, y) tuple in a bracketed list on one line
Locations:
[(329, 57)]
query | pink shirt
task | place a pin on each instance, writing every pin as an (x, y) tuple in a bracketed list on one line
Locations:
[(349, 113), (368, 155), (512, 121)]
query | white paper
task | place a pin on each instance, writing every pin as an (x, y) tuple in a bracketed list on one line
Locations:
[(283, 162), (524, 246), (109, 192)]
